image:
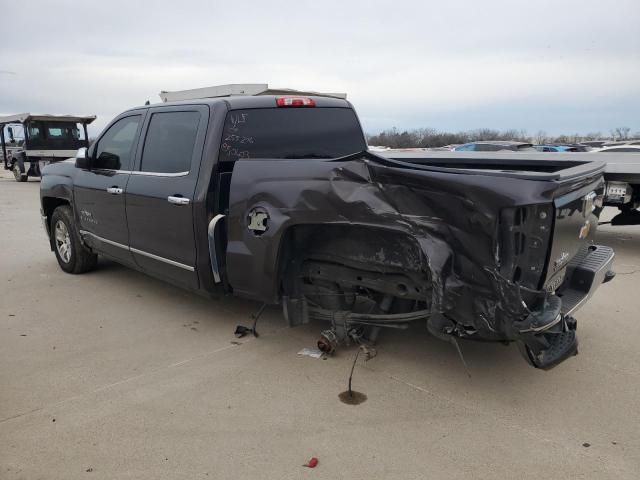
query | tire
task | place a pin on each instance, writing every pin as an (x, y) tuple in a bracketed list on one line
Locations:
[(18, 174), (72, 255)]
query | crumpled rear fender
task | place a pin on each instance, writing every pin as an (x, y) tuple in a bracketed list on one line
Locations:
[(452, 216)]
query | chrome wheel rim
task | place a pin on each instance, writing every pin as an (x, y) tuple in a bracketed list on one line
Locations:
[(63, 241)]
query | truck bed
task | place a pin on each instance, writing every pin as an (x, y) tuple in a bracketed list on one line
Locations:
[(527, 165)]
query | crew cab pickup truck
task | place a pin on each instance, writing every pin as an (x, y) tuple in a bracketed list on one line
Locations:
[(277, 199)]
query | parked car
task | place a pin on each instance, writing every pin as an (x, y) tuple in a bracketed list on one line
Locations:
[(276, 199), (620, 143), (623, 148), (45, 139), (493, 146), (593, 143), (561, 148)]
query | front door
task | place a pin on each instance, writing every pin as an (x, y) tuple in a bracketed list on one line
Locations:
[(160, 193), (99, 191)]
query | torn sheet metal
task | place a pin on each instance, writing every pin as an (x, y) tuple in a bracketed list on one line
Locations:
[(459, 221)]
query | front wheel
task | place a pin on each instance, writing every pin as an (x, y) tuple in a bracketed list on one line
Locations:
[(72, 255)]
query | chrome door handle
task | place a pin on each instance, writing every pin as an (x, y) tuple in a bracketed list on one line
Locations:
[(115, 190), (178, 200)]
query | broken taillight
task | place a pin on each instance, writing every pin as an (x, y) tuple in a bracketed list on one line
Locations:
[(524, 242), (295, 102)]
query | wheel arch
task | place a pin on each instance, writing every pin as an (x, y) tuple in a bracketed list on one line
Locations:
[(49, 204), (372, 247)]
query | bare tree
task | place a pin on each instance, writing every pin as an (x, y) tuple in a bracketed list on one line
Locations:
[(621, 133), (592, 136), (541, 137)]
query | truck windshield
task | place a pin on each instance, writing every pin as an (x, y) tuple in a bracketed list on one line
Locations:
[(291, 133)]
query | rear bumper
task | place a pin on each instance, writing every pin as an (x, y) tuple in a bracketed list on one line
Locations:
[(548, 336), (586, 272)]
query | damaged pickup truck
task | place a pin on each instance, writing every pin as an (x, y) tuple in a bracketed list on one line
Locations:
[(276, 199)]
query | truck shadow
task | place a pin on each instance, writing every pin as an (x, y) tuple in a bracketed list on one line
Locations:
[(398, 351), (421, 350), (155, 289), (624, 240)]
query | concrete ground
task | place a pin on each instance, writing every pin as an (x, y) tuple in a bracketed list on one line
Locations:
[(115, 375)]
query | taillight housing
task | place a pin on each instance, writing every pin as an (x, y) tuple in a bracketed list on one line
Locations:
[(525, 236), (295, 102)]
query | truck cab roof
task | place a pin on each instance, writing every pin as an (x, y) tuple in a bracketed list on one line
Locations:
[(243, 102)]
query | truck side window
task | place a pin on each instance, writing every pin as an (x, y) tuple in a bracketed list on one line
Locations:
[(114, 149), (34, 132), (168, 146)]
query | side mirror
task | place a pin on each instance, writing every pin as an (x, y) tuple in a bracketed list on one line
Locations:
[(82, 158)]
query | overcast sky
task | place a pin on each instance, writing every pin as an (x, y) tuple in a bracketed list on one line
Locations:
[(562, 66)]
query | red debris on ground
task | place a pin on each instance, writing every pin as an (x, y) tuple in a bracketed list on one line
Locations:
[(311, 463)]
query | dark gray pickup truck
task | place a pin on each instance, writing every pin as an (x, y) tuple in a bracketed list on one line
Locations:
[(276, 199)]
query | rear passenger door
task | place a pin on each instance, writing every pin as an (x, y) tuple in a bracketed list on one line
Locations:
[(160, 193)]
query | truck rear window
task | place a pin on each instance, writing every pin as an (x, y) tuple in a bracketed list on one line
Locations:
[(291, 133)]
